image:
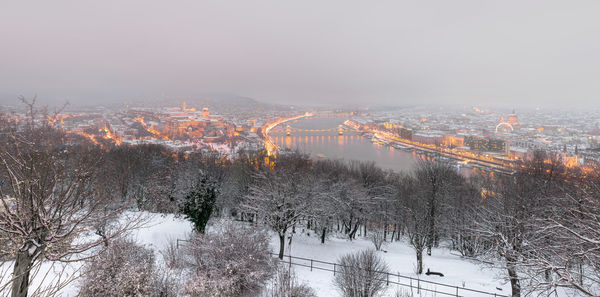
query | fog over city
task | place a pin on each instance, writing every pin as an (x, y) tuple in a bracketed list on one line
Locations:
[(517, 53), (274, 148)]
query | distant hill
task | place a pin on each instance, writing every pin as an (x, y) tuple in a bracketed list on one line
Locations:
[(218, 102)]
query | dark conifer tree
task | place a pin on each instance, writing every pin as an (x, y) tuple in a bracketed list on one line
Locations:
[(199, 204)]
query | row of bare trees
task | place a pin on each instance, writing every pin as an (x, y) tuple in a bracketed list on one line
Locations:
[(538, 224)]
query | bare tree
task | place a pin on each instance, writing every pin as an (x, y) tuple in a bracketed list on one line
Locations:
[(362, 274), (378, 193), (434, 178), (352, 204), (508, 220), (49, 195), (323, 213), (377, 239), (567, 242), (460, 216), (416, 213), (280, 198)]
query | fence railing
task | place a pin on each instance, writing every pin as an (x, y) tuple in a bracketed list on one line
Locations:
[(392, 278)]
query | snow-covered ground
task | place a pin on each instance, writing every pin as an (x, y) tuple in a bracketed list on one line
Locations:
[(159, 230), (400, 258)]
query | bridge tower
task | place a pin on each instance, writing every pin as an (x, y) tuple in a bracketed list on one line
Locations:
[(340, 130), (288, 130)]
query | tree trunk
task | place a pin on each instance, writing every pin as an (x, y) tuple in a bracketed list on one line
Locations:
[(431, 223), (430, 234), (515, 285), (281, 245), (419, 261), (580, 266), (323, 235), (21, 271), (385, 231), (353, 232)]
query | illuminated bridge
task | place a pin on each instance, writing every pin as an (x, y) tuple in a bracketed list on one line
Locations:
[(271, 147), (289, 130)]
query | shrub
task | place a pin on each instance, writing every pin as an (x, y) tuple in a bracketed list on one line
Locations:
[(285, 284), (203, 284), (171, 256), (362, 274), (403, 293), (121, 269), (165, 284), (235, 262), (377, 239)]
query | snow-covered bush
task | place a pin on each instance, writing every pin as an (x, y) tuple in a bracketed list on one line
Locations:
[(166, 283), (204, 284), (403, 293), (361, 274), (172, 256), (235, 262), (121, 269), (377, 239), (285, 284)]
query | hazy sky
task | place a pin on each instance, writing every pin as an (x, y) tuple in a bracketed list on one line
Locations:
[(365, 52)]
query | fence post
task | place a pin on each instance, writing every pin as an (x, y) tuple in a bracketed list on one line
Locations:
[(387, 279), (311, 261), (333, 268), (456, 291)]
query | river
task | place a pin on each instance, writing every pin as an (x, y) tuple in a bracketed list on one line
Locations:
[(331, 145)]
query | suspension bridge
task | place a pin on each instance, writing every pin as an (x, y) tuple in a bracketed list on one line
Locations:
[(289, 130)]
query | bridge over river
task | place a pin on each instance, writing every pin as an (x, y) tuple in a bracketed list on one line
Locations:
[(329, 137), (289, 130)]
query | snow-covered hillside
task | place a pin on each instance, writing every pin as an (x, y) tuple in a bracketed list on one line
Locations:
[(399, 256)]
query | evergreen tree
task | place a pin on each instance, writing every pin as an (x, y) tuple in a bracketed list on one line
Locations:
[(199, 203)]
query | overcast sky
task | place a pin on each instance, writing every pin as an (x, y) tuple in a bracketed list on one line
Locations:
[(309, 51)]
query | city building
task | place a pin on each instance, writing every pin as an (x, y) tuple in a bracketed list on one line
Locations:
[(486, 144)]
